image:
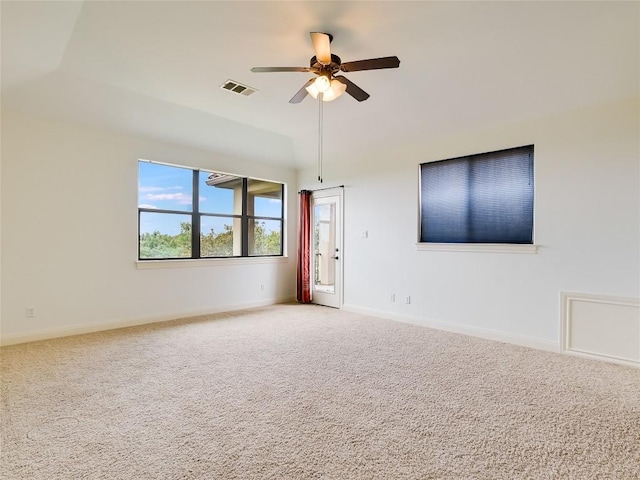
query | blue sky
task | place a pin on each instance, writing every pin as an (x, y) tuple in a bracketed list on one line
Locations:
[(170, 188)]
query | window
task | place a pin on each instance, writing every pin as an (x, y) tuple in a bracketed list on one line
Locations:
[(484, 198), (189, 213)]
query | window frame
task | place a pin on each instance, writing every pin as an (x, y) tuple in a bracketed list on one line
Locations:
[(531, 248), (196, 218)]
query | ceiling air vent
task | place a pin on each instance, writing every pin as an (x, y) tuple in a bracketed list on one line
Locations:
[(238, 88)]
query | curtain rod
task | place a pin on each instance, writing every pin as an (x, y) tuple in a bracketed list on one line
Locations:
[(320, 189)]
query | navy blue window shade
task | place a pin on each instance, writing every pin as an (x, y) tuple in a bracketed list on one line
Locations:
[(484, 198)]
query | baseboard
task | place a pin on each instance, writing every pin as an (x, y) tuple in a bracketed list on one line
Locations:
[(531, 342), (130, 322)]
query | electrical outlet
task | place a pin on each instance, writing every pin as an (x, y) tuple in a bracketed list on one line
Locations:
[(262, 287), (407, 300), (392, 297), (31, 312)]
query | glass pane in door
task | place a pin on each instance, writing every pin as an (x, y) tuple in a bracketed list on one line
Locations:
[(324, 243)]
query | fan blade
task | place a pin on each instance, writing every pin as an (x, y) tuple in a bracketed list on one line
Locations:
[(298, 97), (321, 43), (371, 64), (352, 89), (281, 69)]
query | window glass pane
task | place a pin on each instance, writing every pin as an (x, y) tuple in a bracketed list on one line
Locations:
[(165, 235), (220, 193), (485, 198), (220, 236), (264, 198), (265, 237), (164, 187), (238, 216), (324, 247)]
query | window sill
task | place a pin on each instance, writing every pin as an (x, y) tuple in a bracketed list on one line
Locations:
[(208, 262), (477, 247)]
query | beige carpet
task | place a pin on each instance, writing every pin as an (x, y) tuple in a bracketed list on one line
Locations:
[(304, 392)]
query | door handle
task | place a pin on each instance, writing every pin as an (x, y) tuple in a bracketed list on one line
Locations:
[(336, 258)]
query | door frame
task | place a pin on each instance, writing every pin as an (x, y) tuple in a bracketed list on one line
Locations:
[(339, 274)]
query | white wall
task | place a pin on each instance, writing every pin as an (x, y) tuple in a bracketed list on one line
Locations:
[(69, 234), (587, 223), (69, 228)]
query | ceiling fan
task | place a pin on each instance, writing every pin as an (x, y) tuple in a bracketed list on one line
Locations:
[(326, 65)]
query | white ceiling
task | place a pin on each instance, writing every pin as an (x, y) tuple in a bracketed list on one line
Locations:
[(154, 68)]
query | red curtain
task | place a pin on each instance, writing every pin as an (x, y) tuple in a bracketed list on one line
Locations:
[(304, 248)]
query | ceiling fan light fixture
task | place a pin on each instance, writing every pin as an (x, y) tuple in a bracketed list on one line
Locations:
[(336, 89), (330, 89), (325, 64), (322, 83)]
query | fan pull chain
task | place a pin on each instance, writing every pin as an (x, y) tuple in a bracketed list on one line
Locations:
[(320, 123)]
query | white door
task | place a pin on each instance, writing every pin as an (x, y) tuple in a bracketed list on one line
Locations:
[(326, 248)]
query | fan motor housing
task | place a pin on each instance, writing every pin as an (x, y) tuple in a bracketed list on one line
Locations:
[(333, 67)]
